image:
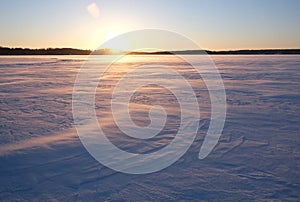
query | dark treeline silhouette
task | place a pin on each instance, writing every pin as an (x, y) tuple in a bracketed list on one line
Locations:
[(231, 52), (48, 51), (260, 52), (72, 51)]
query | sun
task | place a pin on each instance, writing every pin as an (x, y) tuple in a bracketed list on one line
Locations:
[(115, 41), (100, 36), (111, 35)]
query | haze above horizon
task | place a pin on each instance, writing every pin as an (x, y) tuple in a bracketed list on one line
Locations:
[(214, 25)]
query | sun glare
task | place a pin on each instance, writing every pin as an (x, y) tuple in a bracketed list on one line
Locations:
[(121, 44), (102, 37)]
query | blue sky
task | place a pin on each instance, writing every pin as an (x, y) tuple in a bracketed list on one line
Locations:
[(213, 24)]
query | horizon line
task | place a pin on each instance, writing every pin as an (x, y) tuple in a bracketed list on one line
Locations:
[(92, 50)]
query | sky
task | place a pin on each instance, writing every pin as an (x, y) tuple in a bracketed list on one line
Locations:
[(212, 24)]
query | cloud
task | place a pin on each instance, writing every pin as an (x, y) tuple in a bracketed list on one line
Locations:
[(93, 10)]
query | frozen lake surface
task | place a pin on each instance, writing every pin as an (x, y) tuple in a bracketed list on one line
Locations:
[(257, 157)]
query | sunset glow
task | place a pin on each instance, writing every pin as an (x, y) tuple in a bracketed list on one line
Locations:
[(149, 100), (214, 25)]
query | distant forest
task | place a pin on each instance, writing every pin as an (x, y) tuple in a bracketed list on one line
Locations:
[(48, 51), (72, 51)]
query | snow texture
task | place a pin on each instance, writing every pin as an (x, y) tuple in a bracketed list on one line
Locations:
[(257, 157)]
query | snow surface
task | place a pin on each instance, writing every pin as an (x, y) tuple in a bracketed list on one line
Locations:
[(257, 157)]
